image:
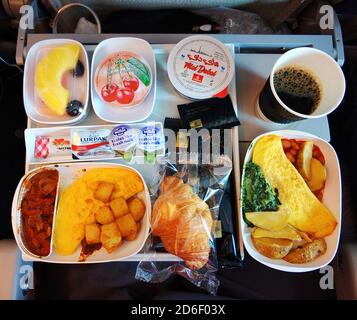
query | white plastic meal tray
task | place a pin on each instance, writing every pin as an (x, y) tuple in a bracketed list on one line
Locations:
[(166, 103), (69, 173)]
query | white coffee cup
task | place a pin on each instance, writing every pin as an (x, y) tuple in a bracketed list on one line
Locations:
[(328, 73)]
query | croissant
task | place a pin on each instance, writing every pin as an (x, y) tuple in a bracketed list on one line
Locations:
[(183, 222)]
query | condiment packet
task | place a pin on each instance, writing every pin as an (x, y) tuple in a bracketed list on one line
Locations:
[(123, 140), (129, 141), (91, 143), (52, 146), (151, 140), (213, 113)]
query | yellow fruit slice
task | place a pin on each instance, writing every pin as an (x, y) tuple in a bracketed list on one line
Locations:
[(304, 159), (318, 175), (48, 76), (286, 233), (269, 220)]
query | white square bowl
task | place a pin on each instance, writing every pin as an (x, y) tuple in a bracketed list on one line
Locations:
[(35, 108), (108, 112), (331, 199)]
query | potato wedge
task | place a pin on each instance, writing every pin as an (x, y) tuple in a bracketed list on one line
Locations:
[(304, 235), (273, 248), (308, 252), (318, 175), (286, 233), (298, 243), (304, 159), (269, 220)]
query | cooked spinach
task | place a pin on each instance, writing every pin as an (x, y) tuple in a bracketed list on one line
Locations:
[(257, 194)]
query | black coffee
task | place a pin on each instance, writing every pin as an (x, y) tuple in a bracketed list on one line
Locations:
[(298, 89)]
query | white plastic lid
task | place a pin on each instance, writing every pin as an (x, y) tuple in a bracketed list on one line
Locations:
[(151, 138), (200, 67)]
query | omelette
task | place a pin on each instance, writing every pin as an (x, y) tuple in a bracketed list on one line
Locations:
[(307, 213), (77, 204)]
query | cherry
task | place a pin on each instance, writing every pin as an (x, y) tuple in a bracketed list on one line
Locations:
[(131, 83), (109, 92), (125, 96)]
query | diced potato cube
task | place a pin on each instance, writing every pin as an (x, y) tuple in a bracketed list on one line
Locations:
[(91, 218), (104, 191), (137, 208), (110, 237), (127, 225), (104, 215), (133, 236), (116, 194), (95, 206), (119, 207), (92, 233)]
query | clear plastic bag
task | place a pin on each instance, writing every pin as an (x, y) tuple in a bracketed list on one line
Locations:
[(186, 199)]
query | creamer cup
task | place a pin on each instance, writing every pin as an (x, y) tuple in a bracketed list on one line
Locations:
[(123, 140), (151, 141)]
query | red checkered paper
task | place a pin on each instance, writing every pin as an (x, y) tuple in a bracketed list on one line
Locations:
[(41, 147)]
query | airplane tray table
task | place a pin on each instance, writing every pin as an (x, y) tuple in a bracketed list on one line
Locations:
[(253, 280)]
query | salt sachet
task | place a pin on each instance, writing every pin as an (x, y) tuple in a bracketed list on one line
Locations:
[(52, 147)]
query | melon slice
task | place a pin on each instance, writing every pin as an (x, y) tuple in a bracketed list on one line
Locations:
[(48, 76)]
